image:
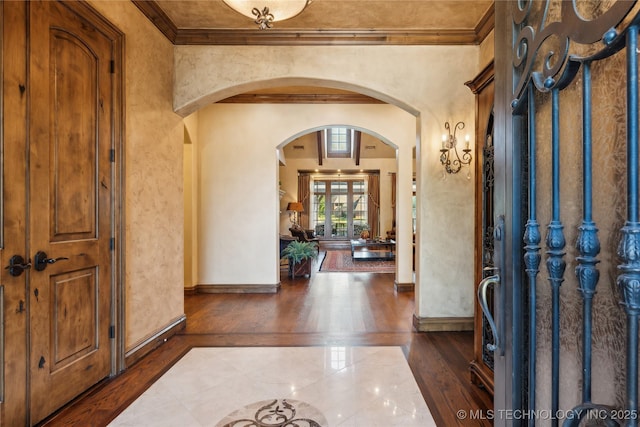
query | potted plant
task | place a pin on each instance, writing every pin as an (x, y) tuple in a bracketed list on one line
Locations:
[(300, 255)]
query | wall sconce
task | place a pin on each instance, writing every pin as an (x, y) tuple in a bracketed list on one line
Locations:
[(294, 208), (265, 12), (449, 156)]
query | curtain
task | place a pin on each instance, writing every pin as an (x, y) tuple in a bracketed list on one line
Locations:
[(373, 206), (304, 193)]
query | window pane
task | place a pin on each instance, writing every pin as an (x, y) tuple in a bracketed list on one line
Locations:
[(339, 141), (339, 187)]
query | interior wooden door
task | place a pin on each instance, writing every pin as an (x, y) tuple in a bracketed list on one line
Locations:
[(69, 205)]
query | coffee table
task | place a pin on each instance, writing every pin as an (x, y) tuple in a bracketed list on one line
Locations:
[(372, 250)]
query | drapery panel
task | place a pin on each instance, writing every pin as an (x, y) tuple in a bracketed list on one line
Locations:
[(304, 193), (373, 207)]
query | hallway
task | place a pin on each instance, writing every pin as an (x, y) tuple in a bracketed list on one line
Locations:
[(327, 310)]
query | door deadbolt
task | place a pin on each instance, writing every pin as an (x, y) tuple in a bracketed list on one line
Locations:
[(17, 265)]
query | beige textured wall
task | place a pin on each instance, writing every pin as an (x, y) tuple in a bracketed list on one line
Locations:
[(239, 213), (153, 178), (425, 80)]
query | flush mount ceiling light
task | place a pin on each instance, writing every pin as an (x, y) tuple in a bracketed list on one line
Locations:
[(265, 12)]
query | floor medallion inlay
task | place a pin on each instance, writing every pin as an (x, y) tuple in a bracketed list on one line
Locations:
[(275, 413)]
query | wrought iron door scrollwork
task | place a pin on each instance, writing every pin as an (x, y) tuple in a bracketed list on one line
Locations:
[(557, 68)]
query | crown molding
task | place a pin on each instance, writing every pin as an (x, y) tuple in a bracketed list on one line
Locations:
[(156, 15), (486, 24)]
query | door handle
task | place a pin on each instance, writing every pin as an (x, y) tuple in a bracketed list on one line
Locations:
[(17, 265), (482, 299), (41, 260)]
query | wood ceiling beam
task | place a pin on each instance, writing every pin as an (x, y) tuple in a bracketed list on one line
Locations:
[(277, 37), (357, 146), (301, 98), (319, 140)]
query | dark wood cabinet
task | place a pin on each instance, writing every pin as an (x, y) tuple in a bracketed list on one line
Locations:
[(482, 86)]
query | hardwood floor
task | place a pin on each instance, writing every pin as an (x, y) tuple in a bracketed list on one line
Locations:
[(327, 309)]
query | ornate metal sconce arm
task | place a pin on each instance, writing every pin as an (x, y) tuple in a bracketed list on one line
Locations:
[(449, 155)]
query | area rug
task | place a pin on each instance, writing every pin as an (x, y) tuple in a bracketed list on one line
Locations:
[(340, 261)]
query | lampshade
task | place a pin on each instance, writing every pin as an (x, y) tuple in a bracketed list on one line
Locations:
[(295, 207), (266, 11)]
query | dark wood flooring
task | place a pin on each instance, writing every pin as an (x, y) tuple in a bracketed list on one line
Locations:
[(326, 309)]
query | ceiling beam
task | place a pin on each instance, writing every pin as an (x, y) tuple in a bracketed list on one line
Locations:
[(301, 98), (357, 146), (319, 140), (279, 37)]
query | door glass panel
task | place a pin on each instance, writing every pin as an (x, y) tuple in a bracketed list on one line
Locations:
[(338, 212), (359, 208)]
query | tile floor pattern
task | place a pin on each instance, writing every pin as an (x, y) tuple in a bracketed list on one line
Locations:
[(350, 386)]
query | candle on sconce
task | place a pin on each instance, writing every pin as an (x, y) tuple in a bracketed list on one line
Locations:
[(444, 139), (466, 140)]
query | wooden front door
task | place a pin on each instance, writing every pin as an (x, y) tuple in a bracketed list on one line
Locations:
[(69, 205)]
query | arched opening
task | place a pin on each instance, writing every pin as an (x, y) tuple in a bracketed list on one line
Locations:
[(226, 136), (344, 178)]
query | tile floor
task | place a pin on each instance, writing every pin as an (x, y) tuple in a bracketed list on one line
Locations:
[(339, 386)]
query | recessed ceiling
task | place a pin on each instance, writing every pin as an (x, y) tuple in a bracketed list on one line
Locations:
[(328, 22)]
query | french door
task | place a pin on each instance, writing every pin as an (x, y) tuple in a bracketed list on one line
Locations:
[(567, 207), (339, 208)]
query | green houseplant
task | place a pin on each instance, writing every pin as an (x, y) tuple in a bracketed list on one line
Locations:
[(300, 255)]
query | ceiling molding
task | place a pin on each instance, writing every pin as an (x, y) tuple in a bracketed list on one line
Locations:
[(486, 23), (156, 15), (318, 37), (301, 98)]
